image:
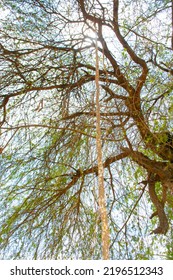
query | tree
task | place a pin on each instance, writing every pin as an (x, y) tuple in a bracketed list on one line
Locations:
[(49, 169)]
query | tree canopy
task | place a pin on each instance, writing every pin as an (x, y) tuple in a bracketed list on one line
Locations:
[(49, 206)]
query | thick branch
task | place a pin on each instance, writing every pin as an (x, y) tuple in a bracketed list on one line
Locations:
[(152, 166), (163, 221), (133, 55)]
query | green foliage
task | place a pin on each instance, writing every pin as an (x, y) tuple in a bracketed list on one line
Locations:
[(48, 163)]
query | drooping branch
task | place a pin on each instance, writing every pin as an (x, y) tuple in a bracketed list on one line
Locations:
[(160, 65)]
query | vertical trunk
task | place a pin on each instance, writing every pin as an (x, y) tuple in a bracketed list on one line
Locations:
[(102, 198)]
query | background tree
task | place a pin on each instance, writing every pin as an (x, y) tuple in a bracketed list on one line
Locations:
[(49, 171)]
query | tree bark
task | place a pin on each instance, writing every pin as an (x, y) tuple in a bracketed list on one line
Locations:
[(101, 187)]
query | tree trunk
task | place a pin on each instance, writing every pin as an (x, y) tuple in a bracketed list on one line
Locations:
[(102, 197)]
